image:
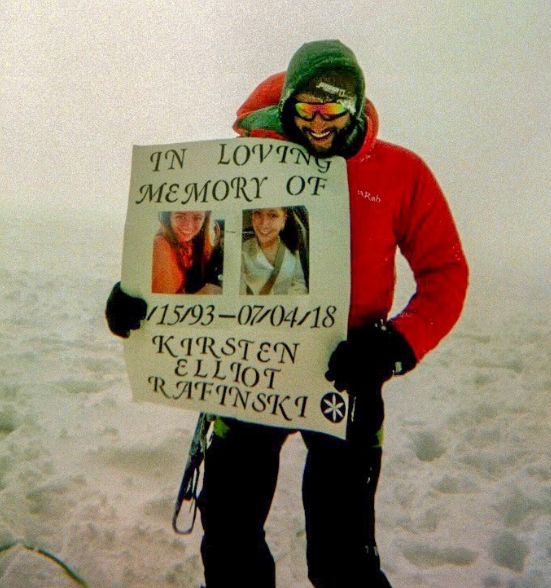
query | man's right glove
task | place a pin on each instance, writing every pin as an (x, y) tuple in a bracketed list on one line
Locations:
[(370, 356), (124, 312)]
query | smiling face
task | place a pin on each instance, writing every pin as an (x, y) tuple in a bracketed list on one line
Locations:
[(267, 224), (187, 225), (320, 135)]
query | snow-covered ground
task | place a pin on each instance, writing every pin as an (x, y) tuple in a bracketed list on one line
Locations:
[(89, 476)]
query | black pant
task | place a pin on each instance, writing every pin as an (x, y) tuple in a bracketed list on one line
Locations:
[(339, 483)]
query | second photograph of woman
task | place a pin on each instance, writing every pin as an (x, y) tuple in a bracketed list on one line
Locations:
[(274, 256)]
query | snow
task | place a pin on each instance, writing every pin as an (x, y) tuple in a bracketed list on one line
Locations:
[(91, 477)]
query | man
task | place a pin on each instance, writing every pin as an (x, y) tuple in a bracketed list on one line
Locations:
[(394, 201)]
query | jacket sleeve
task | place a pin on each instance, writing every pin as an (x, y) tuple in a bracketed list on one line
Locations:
[(428, 239)]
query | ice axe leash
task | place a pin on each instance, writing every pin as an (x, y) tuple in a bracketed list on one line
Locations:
[(190, 479)]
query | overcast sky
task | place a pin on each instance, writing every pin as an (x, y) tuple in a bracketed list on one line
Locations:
[(465, 84)]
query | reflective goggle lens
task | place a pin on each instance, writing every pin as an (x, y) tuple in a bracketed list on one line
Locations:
[(327, 110)]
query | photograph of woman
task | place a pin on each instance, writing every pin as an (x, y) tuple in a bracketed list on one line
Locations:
[(274, 251), (187, 254)]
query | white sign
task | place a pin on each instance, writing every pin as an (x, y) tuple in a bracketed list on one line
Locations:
[(241, 249)]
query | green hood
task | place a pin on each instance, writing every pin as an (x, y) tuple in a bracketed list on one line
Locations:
[(324, 67), (327, 59)]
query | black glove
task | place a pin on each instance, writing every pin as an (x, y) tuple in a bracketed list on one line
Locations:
[(124, 312), (371, 355)]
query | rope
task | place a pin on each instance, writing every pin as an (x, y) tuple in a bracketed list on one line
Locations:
[(71, 573)]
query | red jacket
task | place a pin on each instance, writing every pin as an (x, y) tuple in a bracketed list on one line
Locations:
[(394, 201)]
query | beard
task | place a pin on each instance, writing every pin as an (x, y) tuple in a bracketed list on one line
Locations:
[(338, 145), (346, 141)]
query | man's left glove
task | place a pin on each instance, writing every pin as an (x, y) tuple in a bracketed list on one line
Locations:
[(124, 312), (370, 356)]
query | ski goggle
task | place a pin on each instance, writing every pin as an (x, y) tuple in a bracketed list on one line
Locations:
[(327, 110)]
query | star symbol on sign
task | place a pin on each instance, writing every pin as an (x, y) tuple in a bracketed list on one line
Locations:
[(333, 407)]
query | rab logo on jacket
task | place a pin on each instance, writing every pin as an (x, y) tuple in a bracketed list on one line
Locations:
[(369, 196)]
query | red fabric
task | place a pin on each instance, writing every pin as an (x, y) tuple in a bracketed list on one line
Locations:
[(265, 94), (394, 201)]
